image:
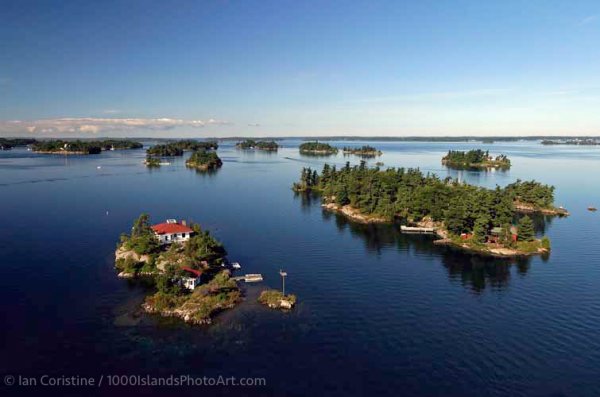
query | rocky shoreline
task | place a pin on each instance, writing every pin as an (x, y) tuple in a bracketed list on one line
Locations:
[(275, 299), (529, 209), (480, 166), (353, 213), (320, 152), (64, 152), (440, 231), (186, 314)]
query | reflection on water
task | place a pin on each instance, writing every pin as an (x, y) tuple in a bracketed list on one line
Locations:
[(474, 271)]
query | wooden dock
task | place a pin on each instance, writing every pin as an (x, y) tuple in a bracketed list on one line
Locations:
[(249, 278), (417, 230)]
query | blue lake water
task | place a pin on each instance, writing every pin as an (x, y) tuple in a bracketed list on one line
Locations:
[(379, 314)]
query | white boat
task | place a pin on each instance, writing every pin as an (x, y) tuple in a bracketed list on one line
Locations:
[(236, 265)]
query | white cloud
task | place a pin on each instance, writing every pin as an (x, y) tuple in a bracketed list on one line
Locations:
[(93, 125), (254, 125), (587, 20)]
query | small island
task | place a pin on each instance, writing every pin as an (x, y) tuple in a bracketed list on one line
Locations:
[(250, 144), (317, 148), (186, 265), (574, 141), (203, 160), (275, 299), (177, 148), (152, 162), (463, 216), (83, 147), (475, 159), (363, 151)]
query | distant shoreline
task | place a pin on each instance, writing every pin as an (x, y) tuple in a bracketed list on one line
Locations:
[(432, 138)]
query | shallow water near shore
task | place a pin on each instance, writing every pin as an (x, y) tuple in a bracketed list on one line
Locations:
[(379, 312)]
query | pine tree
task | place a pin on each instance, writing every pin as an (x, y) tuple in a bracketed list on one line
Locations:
[(480, 230), (526, 232)]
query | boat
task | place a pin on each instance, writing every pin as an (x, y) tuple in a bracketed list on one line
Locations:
[(593, 209), (236, 265)]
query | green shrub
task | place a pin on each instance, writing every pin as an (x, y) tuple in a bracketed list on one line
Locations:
[(546, 243)]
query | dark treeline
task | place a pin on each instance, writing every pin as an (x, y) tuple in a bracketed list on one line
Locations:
[(165, 149), (9, 143), (365, 150), (86, 147), (320, 147), (578, 141), (411, 195), (262, 145), (177, 148), (532, 193), (474, 158)]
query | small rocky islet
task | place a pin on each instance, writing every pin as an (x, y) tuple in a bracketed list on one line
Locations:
[(189, 267)]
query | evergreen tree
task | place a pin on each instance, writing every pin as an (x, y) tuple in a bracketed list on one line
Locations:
[(526, 232), (480, 230)]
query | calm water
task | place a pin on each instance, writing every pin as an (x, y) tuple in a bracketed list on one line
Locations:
[(379, 313)]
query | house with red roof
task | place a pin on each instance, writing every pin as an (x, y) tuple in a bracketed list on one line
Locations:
[(172, 231), (193, 278)]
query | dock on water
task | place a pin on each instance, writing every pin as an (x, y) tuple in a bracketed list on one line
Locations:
[(249, 278), (417, 230)]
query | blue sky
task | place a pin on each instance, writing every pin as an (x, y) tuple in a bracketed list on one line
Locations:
[(260, 68)]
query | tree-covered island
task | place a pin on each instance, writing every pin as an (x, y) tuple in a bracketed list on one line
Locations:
[(250, 144), (152, 162), (204, 160), (9, 143), (177, 148), (317, 148), (462, 215), (83, 146), (475, 159), (363, 151), (190, 281), (574, 141)]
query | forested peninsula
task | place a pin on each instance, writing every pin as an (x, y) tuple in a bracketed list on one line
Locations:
[(462, 215)]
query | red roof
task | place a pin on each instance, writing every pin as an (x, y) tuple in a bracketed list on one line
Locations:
[(171, 228), (197, 273)]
